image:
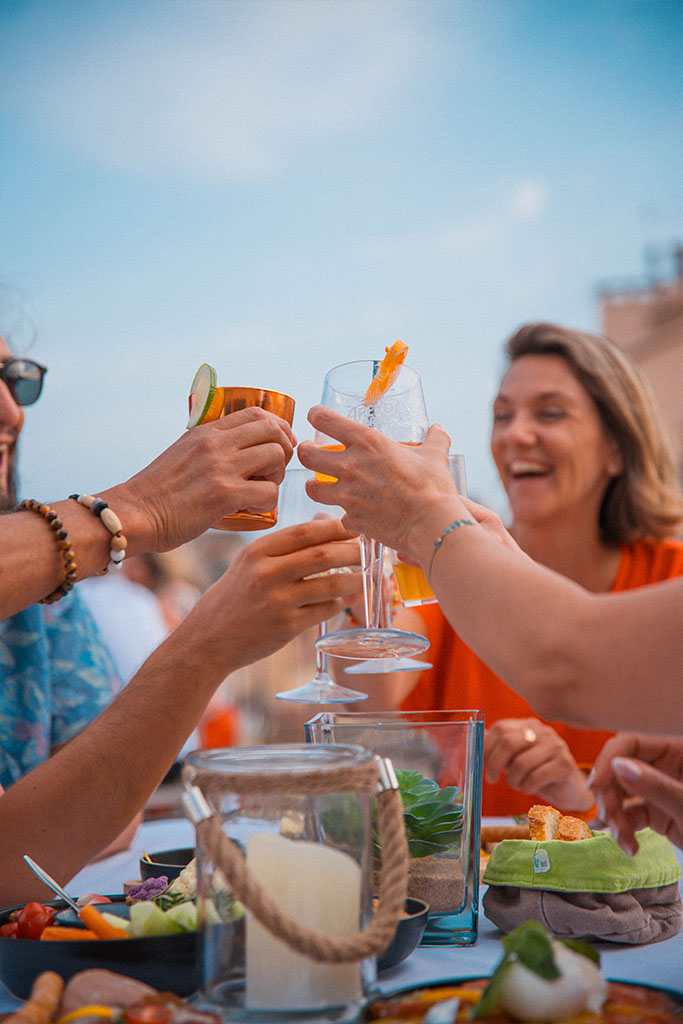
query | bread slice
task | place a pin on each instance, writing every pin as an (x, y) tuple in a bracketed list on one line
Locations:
[(570, 829), (543, 822)]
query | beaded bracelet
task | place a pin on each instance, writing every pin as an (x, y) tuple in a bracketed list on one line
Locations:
[(63, 543), (449, 529), (99, 508)]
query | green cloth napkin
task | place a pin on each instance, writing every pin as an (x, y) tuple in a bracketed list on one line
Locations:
[(587, 865)]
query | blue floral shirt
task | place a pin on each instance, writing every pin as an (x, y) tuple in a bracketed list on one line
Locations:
[(56, 676)]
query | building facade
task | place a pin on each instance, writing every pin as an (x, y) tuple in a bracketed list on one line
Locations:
[(646, 321)]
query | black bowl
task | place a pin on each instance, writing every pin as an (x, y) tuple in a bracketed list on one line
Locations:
[(165, 862), (409, 931), (170, 963)]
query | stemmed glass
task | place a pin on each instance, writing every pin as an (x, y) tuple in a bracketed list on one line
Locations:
[(400, 413), (296, 507), (379, 666)]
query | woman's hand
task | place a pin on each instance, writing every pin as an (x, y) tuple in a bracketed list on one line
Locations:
[(638, 780), (211, 471), (535, 760), (491, 523)]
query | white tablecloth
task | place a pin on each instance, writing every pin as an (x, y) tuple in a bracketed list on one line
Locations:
[(657, 964)]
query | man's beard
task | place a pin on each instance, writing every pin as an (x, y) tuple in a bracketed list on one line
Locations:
[(8, 498)]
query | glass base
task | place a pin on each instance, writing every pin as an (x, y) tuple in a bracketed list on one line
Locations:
[(321, 691), (362, 644), (457, 929), (377, 666)]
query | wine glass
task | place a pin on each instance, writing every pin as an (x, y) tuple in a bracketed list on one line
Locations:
[(296, 507), (379, 666), (400, 413)]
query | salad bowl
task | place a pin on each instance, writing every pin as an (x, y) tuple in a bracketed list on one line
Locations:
[(167, 962)]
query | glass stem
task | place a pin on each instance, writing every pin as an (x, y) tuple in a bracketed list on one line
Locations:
[(321, 656), (372, 555)]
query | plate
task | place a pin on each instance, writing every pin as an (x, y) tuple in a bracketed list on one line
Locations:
[(170, 963), (675, 997)]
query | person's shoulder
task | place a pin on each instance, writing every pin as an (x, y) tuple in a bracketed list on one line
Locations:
[(650, 561)]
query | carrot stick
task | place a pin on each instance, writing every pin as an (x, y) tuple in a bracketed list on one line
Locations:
[(92, 919), (43, 1002), (54, 933)]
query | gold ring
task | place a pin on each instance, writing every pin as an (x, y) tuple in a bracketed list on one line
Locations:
[(528, 735)]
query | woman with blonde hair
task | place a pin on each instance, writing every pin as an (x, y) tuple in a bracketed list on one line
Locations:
[(593, 495)]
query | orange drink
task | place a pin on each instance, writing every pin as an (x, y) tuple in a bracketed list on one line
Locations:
[(322, 477), (412, 585), (411, 581), (209, 402), (282, 405)]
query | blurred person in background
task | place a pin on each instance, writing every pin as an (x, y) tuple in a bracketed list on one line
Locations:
[(593, 495)]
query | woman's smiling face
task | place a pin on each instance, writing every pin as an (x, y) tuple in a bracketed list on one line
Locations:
[(550, 447)]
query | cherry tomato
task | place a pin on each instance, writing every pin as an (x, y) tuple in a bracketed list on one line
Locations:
[(9, 930), (147, 1013), (32, 919)]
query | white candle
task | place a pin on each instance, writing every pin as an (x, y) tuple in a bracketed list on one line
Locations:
[(321, 887)]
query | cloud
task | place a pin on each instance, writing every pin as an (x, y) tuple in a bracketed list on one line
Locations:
[(479, 235), (528, 199), (222, 90)]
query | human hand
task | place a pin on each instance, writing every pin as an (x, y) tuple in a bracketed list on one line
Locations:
[(212, 470), (491, 523), (638, 781), (536, 760), (278, 586), (386, 488)]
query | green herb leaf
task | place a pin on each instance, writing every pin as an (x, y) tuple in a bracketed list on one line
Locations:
[(532, 946), (489, 1003), (583, 948)]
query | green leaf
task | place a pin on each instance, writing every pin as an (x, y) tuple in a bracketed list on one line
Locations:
[(583, 948), (531, 944), (489, 1003)]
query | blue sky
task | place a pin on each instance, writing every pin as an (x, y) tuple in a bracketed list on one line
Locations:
[(277, 187)]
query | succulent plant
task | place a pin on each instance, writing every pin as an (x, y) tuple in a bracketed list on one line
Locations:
[(432, 815)]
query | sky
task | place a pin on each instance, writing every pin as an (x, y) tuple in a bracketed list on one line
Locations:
[(278, 186)]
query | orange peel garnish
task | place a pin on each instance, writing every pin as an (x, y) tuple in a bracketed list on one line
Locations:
[(386, 372)]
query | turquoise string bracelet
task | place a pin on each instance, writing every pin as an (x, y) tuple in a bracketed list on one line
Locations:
[(449, 529)]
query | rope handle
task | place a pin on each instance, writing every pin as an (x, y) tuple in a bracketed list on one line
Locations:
[(393, 885)]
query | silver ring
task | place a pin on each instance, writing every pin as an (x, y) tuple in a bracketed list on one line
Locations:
[(528, 735)]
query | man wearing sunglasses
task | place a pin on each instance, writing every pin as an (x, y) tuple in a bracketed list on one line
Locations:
[(61, 673)]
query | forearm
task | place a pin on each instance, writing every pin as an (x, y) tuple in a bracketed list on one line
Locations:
[(26, 580), (65, 811), (574, 656)]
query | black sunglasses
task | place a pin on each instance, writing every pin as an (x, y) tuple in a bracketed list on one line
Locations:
[(24, 378)]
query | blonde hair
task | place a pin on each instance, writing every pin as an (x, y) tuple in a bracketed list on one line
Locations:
[(644, 500)]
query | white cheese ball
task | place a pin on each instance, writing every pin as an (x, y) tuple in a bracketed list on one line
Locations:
[(580, 987)]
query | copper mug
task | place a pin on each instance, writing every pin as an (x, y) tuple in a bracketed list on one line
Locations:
[(281, 405)]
